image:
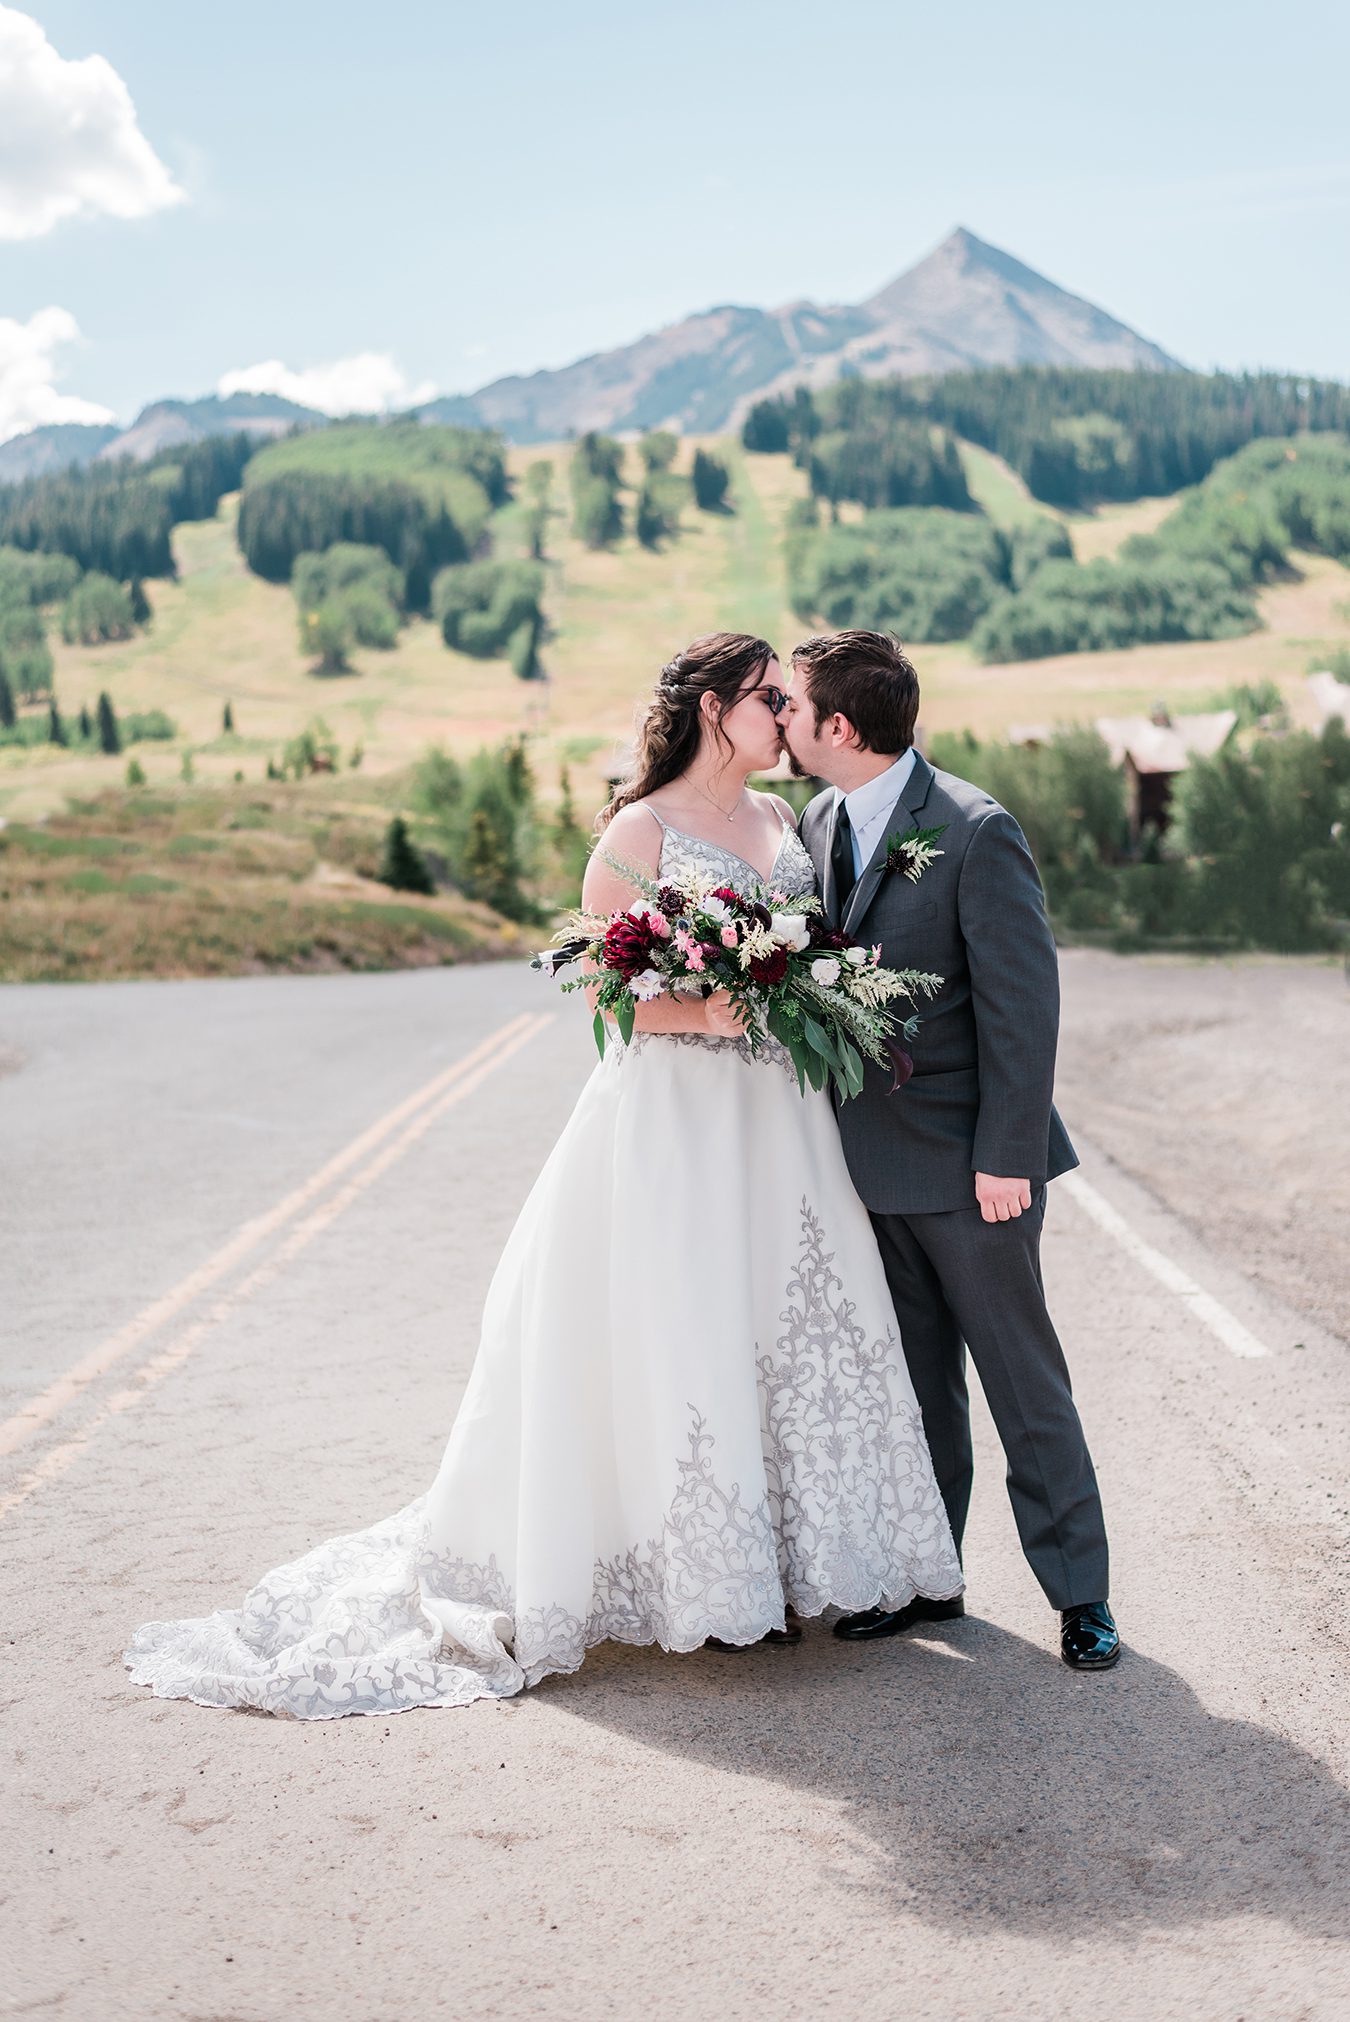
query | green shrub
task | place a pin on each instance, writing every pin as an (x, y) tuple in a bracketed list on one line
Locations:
[(711, 480), (480, 606), (1269, 833), (657, 514), (927, 575), (327, 632), (357, 580), (659, 449), (522, 649), (314, 750), (1258, 854), (97, 610), (25, 656), (147, 726), (35, 578), (482, 816), (1336, 662), (595, 477), (1069, 607)]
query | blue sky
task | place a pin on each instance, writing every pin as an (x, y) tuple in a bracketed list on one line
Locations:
[(463, 192)]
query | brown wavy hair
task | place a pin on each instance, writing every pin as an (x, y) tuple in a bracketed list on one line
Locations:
[(724, 664)]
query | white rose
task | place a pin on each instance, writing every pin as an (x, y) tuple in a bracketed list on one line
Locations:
[(716, 909), (790, 930), (648, 984), (826, 971), (855, 957)]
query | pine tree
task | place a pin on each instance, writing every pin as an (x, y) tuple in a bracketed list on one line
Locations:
[(711, 478), (403, 867), (56, 729), (109, 736), (487, 867), (569, 841), (141, 609), (86, 722), (519, 778), (8, 713), (227, 720)]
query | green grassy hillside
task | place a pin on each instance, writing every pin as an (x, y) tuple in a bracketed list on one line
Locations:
[(222, 635)]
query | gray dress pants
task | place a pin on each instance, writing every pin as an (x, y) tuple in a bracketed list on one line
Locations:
[(958, 1283)]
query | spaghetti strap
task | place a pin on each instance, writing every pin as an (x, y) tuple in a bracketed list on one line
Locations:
[(784, 820), (655, 816)]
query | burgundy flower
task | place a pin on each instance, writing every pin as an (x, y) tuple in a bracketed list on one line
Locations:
[(628, 946), (731, 897), (761, 913), (709, 950), (671, 901), (771, 968), (822, 934)]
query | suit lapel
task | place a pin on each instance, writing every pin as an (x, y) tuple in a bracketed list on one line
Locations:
[(912, 796)]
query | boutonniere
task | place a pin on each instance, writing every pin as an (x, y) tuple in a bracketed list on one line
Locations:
[(911, 854)]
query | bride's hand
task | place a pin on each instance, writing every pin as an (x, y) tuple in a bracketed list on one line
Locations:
[(724, 1017)]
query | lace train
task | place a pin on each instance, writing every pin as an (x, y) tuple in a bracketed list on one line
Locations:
[(688, 1411)]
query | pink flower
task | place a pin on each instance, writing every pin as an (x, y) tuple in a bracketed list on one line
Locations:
[(778, 898), (695, 957), (728, 937), (657, 922)]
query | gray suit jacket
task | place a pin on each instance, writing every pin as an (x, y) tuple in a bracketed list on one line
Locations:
[(980, 1099)]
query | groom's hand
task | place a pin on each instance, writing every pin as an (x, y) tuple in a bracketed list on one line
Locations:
[(1001, 1200)]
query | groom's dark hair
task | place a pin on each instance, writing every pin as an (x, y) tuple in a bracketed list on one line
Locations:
[(867, 677)]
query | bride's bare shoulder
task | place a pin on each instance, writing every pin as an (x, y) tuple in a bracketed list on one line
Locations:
[(784, 807), (636, 827)]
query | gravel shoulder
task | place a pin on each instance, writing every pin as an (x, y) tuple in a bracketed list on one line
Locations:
[(1224, 1088)]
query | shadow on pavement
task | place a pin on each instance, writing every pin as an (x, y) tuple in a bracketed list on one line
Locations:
[(999, 1791)]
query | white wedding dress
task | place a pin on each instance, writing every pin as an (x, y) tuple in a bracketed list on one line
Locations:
[(689, 1409)]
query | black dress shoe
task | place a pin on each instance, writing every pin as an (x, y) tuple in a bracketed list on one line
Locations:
[(875, 1622), (1088, 1638)]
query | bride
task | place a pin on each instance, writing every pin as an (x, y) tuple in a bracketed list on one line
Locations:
[(689, 1417)]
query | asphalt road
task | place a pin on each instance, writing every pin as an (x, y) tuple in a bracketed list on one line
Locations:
[(247, 1229)]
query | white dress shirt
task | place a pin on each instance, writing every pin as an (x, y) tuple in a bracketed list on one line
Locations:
[(869, 806)]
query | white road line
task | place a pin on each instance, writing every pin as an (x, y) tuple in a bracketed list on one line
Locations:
[(40, 1410), (58, 1459), (1205, 1307)]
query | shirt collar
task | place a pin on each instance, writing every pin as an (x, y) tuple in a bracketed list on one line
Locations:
[(877, 795)]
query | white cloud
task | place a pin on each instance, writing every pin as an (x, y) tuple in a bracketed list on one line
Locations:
[(70, 145), (369, 382), (28, 395)]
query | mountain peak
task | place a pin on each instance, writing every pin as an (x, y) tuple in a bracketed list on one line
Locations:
[(968, 303), (964, 304)]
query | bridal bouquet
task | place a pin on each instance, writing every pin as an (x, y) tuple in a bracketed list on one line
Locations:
[(825, 998)]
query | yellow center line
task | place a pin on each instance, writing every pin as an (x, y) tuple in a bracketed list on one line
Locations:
[(43, 1408), (58, 1459)]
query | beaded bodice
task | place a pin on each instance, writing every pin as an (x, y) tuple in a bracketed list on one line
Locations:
[(793, 873)]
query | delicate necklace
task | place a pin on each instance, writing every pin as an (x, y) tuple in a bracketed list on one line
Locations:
[(717, 804)]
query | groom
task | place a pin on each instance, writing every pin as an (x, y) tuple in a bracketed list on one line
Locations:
[(954, 1167)]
